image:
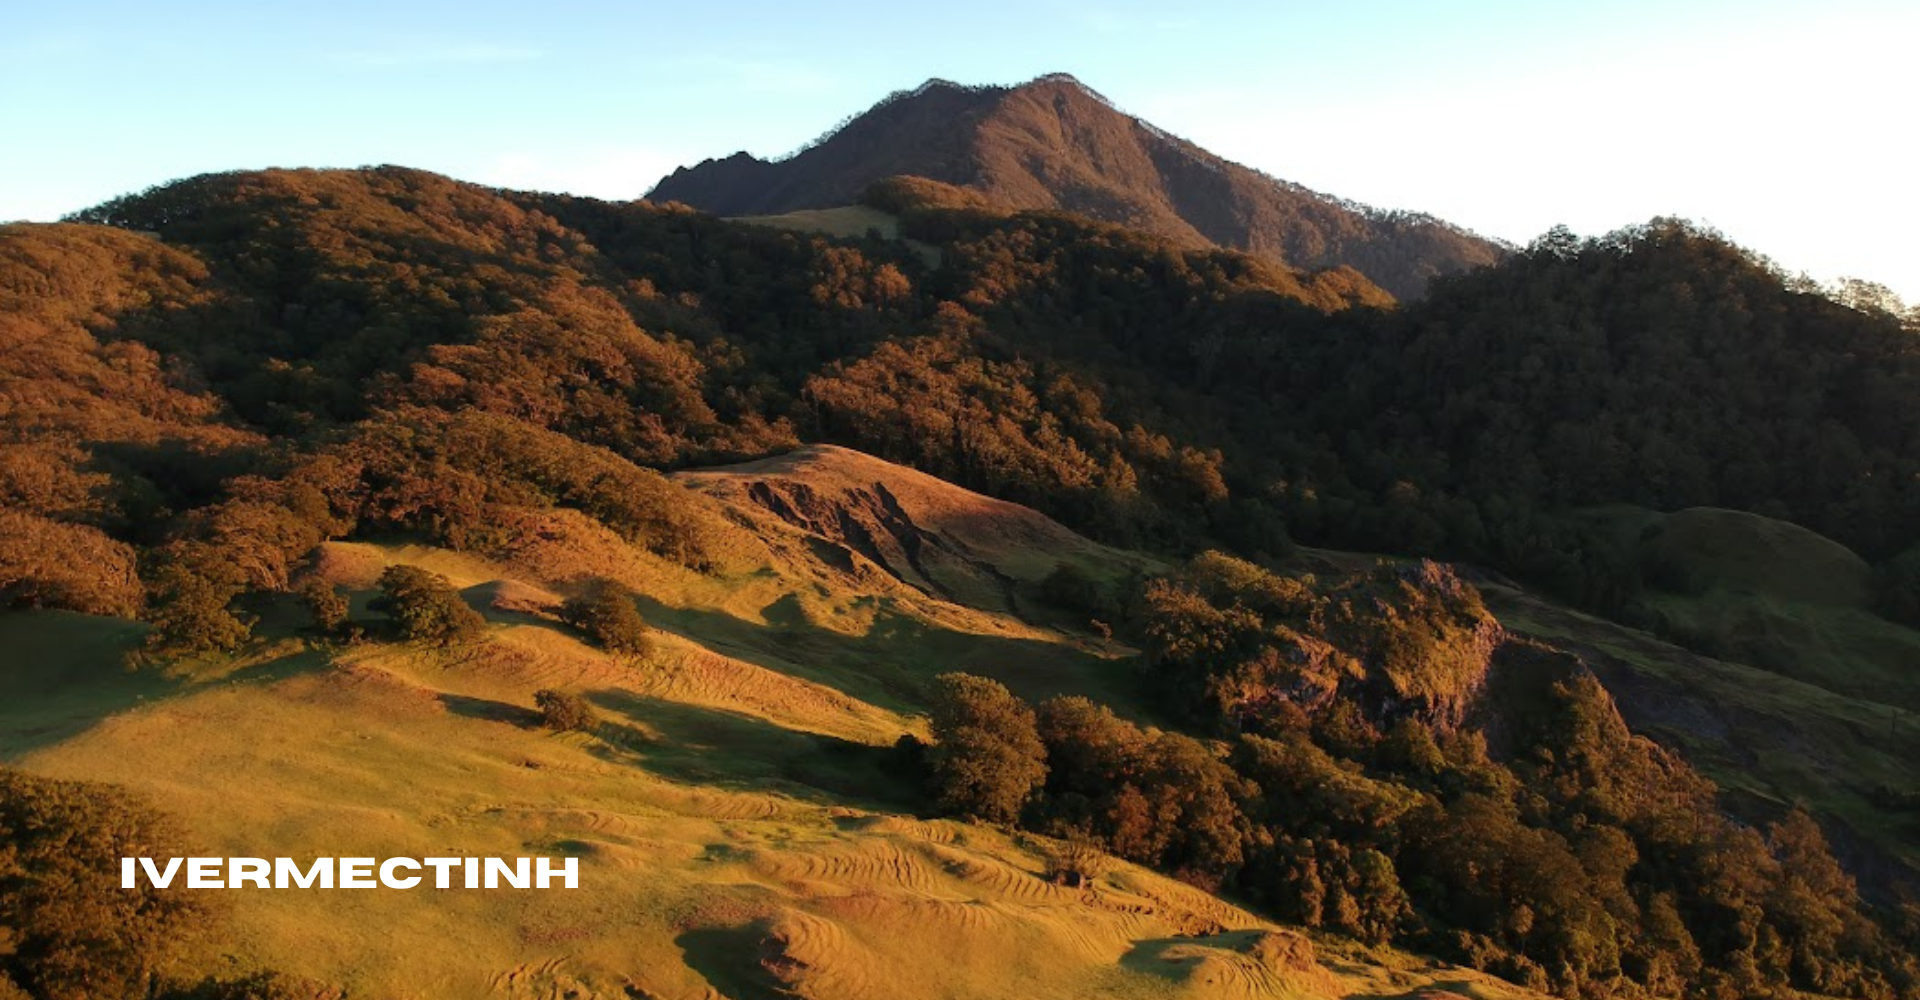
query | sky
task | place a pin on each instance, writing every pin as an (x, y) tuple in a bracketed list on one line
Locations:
[(1787, 126)]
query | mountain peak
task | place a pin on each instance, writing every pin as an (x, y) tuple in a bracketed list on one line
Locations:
[(1056, 79), (1055, 143)]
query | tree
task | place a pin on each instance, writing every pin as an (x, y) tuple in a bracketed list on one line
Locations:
[(190, 615), (324, 603), (565, 712), (268, 985), (1090, 750), (70, 932), (987, 759), (1380, 904), (426, 608), (606, 614)]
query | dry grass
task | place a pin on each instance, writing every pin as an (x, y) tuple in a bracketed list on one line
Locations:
[(739, 833)]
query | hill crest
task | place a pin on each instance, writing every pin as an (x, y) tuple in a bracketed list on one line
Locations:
[(1056, 143)]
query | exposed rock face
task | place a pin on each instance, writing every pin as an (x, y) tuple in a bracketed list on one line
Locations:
[(1055, 144), (948, 542)]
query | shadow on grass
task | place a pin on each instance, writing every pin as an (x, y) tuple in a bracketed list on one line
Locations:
[(63, 673), (891, 665), (1152, 955), (490, 710), (1462, 989), (728, 959), (723, 749)]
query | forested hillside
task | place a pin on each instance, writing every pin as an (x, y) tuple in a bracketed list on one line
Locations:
[(206, 383), (1141, 392)]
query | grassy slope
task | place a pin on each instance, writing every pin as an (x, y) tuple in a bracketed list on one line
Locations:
[(1811, 697), (847, 222), (732, 808), (1775, 595)]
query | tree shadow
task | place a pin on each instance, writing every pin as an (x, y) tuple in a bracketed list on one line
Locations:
[(893, 662), (1152, 955), (1457, 989), (64, 673), (731, 750), (728, 959), (490, 710)]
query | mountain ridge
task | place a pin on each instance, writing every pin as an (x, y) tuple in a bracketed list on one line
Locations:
[(1055, 143), (397, 369)]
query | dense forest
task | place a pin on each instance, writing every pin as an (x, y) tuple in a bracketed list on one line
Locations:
[(1398, 770), (204, 381), (1142, 393)]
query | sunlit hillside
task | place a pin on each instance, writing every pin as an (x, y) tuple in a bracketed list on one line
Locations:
[(742, 829)]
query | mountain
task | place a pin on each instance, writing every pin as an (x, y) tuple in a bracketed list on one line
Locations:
[(1053, 143), (966, 643)]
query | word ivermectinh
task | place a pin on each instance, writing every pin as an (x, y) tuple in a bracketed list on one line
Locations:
[(354, 873)]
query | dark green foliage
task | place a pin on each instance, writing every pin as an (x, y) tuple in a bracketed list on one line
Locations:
[(189, 614), (1071, 588), (987, 759), (606, 614), (1581, 859), (326, 606), (1897, 582), (1139, 392), (258, 986), (425, 608), (70, 932), (563, 712)]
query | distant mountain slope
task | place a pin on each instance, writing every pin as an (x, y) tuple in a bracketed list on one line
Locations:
[(1055, 144)]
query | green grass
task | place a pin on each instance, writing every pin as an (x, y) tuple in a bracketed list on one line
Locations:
[(1770, 739), (1773, 595)]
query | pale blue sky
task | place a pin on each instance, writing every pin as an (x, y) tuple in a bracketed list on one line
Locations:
[(1787, 125)]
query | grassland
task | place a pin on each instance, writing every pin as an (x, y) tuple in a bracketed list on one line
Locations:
[(1802, 695), (740, 833), (846, 222)]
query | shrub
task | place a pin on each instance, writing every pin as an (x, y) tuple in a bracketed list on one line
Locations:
[(563, 712), (426, 608), (987, 758), (324, 603), (71, 932), (258, 986), (189, 615), (1071, 588), (1077, 861), (607, 615)]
